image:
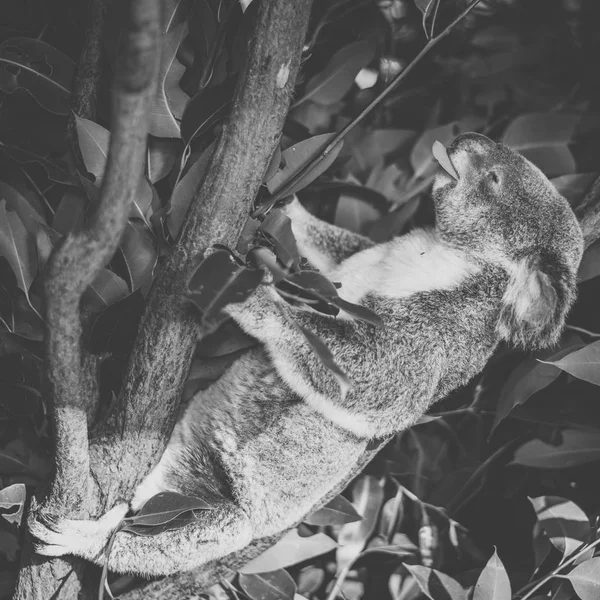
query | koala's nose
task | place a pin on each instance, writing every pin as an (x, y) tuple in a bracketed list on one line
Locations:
[(473, 142), (469, 151)]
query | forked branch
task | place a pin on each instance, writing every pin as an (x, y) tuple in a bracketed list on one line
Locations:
[(74, 265), (167, 335), (71, 268)]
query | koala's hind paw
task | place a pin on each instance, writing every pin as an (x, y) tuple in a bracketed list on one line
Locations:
[(87, 539)]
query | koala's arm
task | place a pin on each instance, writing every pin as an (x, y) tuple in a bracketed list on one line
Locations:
[(361, 351), (323, 244)]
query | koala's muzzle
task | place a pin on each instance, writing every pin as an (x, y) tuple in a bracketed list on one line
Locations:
[(476, 143), (470, 152)]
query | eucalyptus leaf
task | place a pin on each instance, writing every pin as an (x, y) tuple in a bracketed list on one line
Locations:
[(291, 549), (28, 213), (585, 579), (170, 99), (533, 375), (94, 143), (421, 157), (186, 189), (336, 79), (589, 267), (435, 584), (162, 153), (218, 281), (105, 290), (12, 503), (564, 523), (297, 156), (574, 185), (276, 585), (544, 139), (578, 447), (17, 247), (139, 253), (493, 583), (337, 511), (583, 363), (205, 109), (367, 499)]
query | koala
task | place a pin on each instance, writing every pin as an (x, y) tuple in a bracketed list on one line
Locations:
[(275, 433)]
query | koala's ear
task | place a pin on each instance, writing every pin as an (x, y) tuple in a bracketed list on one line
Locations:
[(535, 304)]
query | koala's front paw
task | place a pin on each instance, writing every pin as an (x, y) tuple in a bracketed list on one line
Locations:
[(57, 536)]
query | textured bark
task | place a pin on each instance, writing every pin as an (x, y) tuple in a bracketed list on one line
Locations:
[(167, 336), (72, 267)]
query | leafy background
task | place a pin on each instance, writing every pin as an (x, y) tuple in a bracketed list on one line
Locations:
[(496, 490)]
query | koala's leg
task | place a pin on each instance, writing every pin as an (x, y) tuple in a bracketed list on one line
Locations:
[(323, 244), (213, 534)]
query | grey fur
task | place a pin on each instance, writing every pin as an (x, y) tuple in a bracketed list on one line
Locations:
[(275, 433)]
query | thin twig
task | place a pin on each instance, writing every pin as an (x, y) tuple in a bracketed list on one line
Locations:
[(285, 189), (583, 331)]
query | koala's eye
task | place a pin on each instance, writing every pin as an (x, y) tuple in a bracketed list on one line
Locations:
[(494, 177)]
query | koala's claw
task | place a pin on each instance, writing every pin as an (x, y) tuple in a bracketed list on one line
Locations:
[(49, 550), (51, 535), (57, 536)]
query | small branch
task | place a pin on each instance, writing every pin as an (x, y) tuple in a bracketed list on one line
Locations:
[(285, 190), (83, 104), (535, 586), (167, 335)]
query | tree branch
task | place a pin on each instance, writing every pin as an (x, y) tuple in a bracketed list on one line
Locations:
[(74, 265), (71, 268), (83, 104), (167, 336)]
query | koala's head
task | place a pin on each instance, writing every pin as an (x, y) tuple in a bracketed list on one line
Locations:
[(504, 210)]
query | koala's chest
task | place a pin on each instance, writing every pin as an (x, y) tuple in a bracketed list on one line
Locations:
[(398, 269)]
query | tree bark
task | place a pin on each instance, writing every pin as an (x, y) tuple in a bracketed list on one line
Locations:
[(167, 336)]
